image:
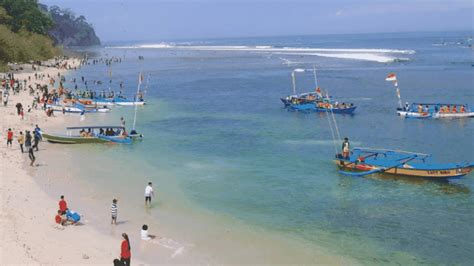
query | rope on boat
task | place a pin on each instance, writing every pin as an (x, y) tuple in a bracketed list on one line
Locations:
[(332, 131)]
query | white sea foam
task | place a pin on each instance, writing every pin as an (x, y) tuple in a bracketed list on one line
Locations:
[(375, 54), (262, 48)]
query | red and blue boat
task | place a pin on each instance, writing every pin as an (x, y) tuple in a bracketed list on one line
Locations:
[(367, 161)]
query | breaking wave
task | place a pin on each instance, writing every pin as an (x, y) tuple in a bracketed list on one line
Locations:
[(366, 54)]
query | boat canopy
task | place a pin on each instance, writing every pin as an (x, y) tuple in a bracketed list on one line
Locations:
[(94, 127)]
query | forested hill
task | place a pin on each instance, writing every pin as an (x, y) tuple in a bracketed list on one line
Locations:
[(30, 31), (69, 30)]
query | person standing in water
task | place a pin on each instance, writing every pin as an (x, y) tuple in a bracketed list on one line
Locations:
[(148, 194), (113, 210), (125, 254), (346, 148)]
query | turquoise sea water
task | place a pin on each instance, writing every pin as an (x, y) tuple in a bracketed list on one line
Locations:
[(216, 129)]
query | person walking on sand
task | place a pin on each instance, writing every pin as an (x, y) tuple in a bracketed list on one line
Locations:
[(9, 137), (18, 108), (113, 210), (31, 154), (36, 139), (62, 205), (125, 254), (27, 140), (21, 141), (148, 193)]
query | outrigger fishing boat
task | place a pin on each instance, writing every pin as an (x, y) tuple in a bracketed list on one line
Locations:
[(303, 98), (429, 110), (315, 101), (366, 161), (435, 110), (91, 134)]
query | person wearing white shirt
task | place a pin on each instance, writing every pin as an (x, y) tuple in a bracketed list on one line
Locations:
[(144, 233), (148, 194)]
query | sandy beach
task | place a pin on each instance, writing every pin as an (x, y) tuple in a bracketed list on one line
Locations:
[(28, 230)]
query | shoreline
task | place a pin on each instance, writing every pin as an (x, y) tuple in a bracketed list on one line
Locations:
[(27, 218), (45, 183)]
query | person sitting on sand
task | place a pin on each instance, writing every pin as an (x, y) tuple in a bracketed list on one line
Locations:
[(144, 233), (60, 219)]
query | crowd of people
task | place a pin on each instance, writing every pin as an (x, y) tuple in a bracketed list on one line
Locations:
[(28, 142), (45, 89)]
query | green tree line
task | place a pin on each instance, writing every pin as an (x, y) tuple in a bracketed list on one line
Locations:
[(24, 33)]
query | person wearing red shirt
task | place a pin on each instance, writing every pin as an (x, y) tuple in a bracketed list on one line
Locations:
[(125, 254), (62, 205), (9, 137)]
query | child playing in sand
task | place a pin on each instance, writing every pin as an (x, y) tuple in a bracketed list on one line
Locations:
[(60, 219), (144, 233), (113, 210)]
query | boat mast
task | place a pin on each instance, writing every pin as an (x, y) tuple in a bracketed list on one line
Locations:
[(135, 100), (398, 95), (315, 77), (294, 83), (293, 77)]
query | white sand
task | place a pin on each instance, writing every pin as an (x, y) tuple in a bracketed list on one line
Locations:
[(28, 231)]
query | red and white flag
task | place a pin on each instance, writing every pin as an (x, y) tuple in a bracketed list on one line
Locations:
[(391, 77)]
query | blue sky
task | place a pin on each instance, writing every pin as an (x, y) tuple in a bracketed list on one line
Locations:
[(154, 20)]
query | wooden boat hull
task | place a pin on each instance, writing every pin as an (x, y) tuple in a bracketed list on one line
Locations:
[(61, 139), (76, 110), (408, 114), (407, 171)]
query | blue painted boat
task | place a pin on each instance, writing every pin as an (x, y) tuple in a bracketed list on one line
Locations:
[(366, 161), (117, 139), (435, 110), (317, 107)]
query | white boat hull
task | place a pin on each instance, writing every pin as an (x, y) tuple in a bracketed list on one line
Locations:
[(129, 103), (408, 114)]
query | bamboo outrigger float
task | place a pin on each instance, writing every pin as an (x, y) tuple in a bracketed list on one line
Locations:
[(366, 161)]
